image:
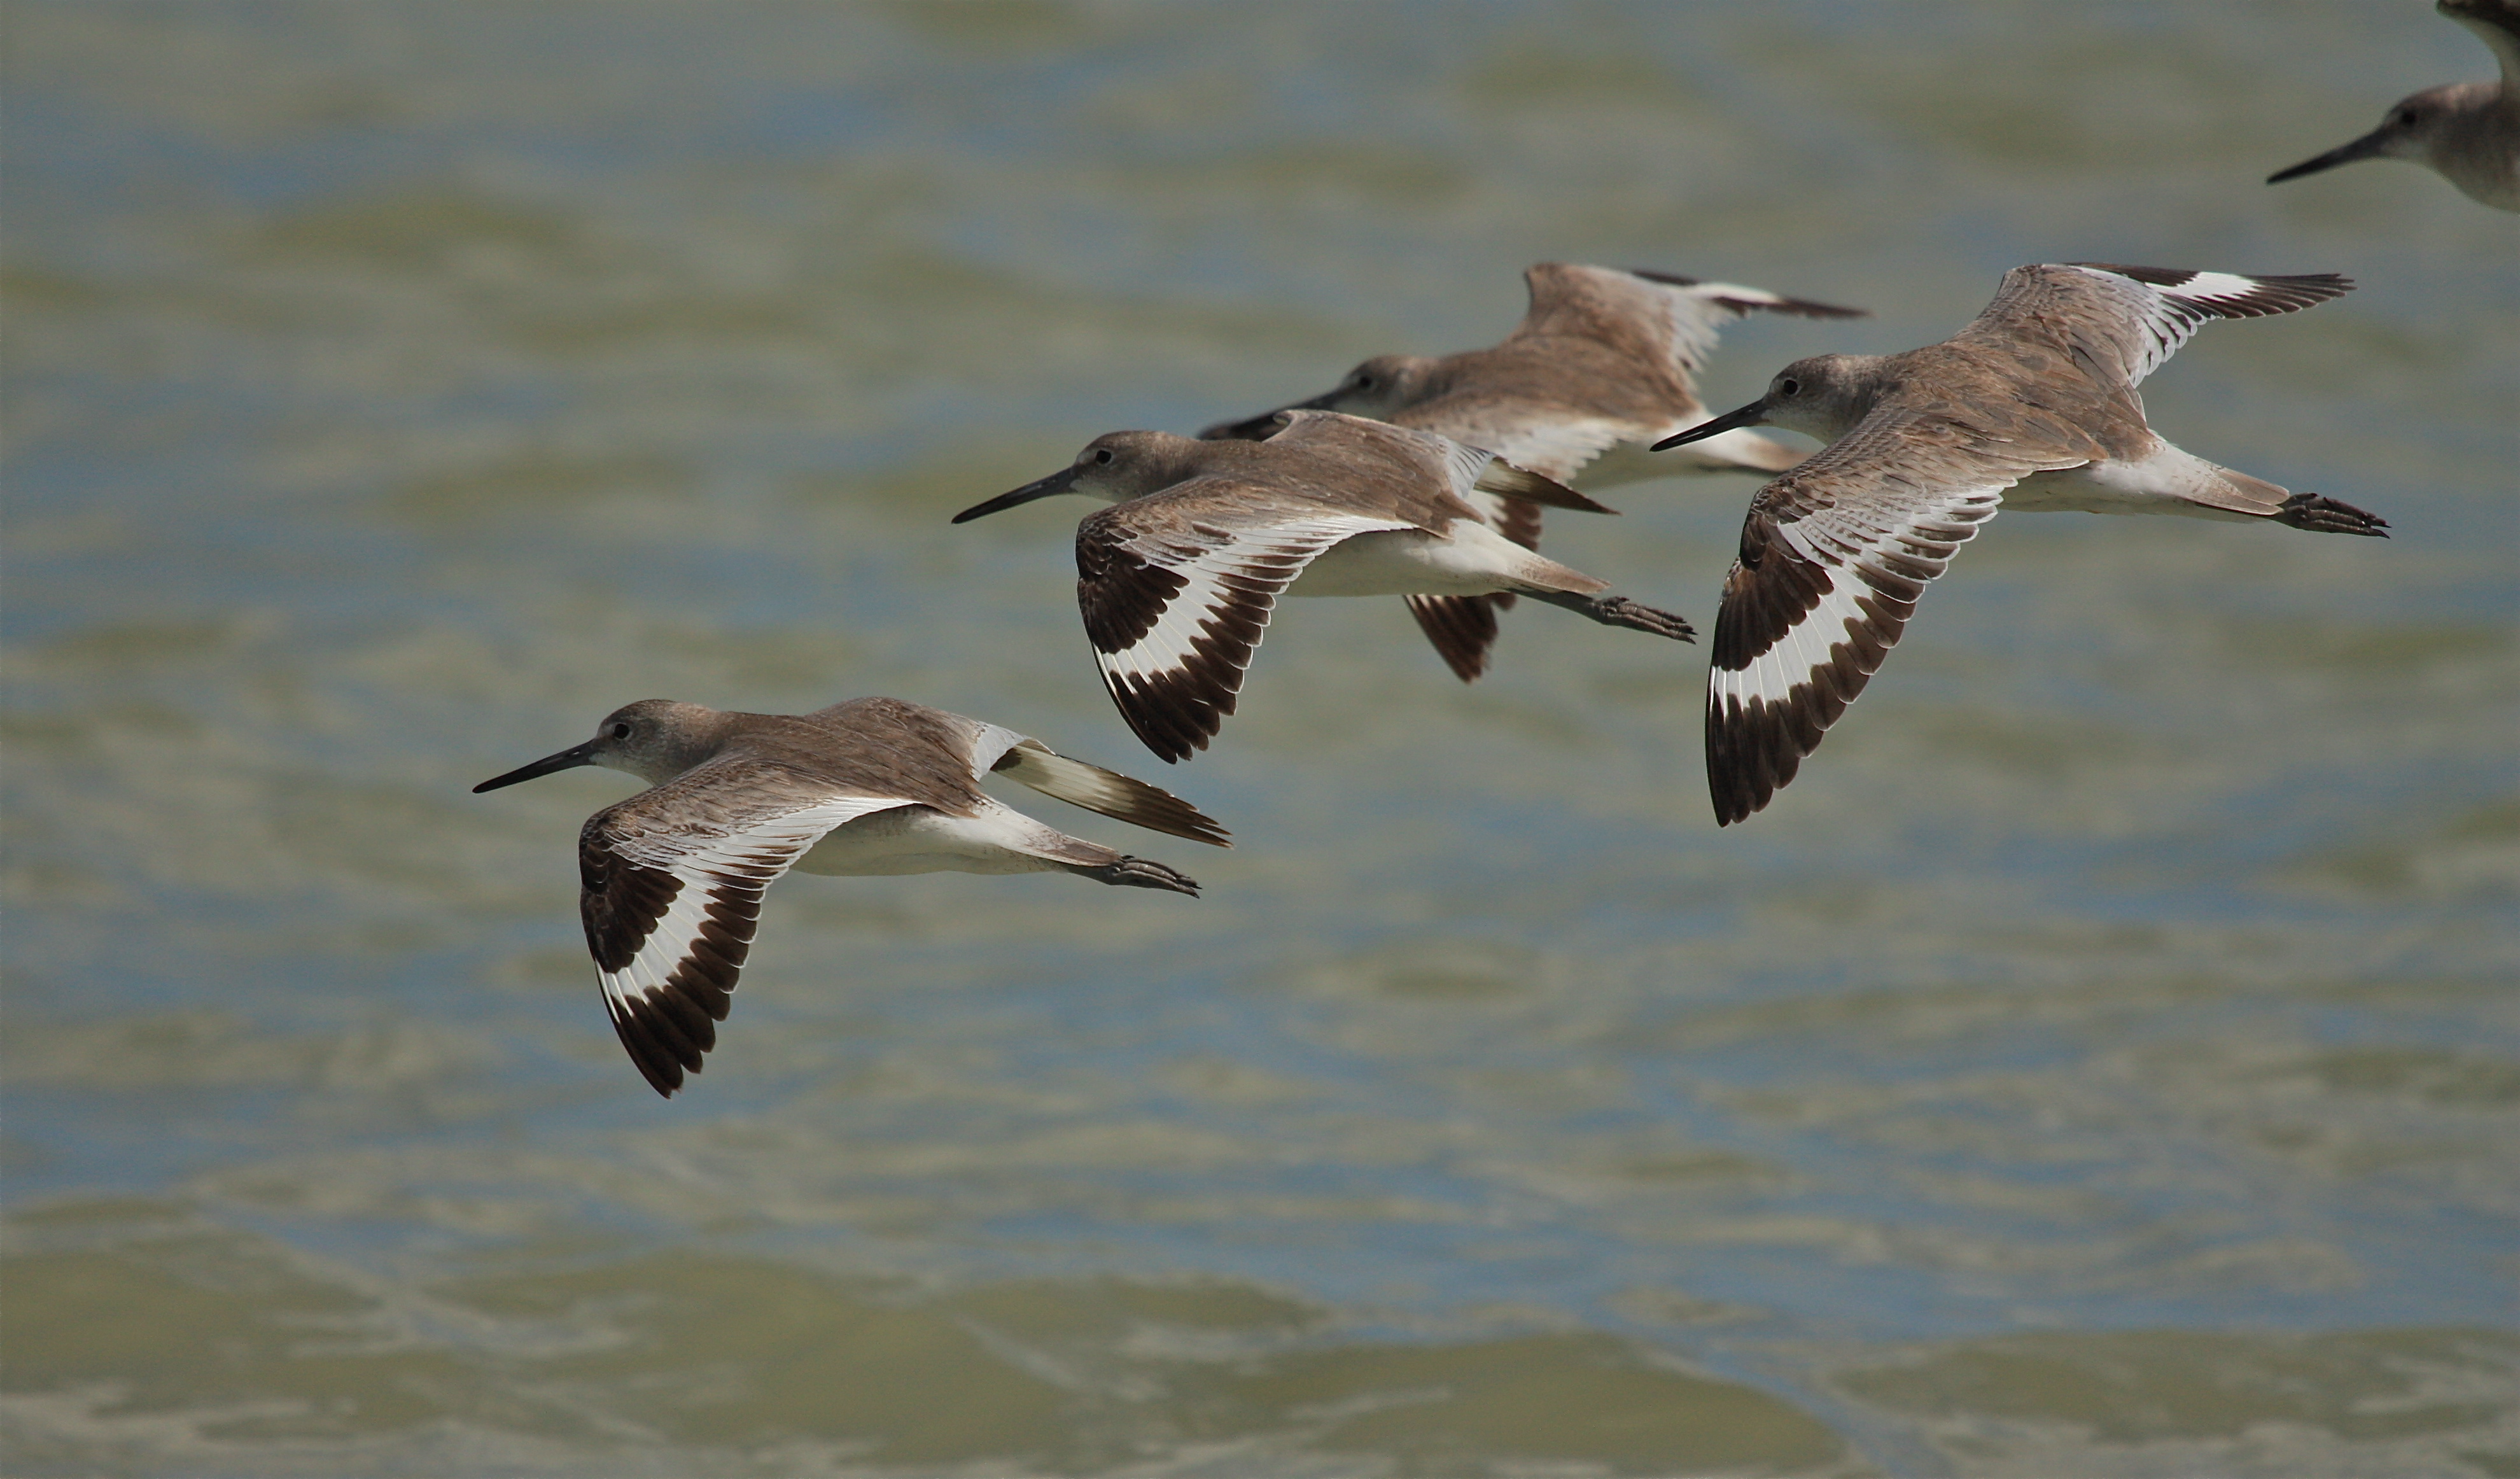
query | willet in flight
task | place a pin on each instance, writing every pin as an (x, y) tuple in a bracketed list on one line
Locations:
[(1604, 364), (1178, 578), (670, 881), (2035, 396), (2466, 132)]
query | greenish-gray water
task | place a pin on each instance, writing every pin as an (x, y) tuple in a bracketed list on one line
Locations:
[(2101, 1061)]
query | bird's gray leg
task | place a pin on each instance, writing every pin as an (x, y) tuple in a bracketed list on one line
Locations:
[(1620, 611), (2327, 515), (1139, 872)]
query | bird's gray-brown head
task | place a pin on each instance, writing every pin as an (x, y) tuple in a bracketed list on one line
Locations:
[(1377, 390), (2414, 129), (1115, 466), (655, 740), (1821, 397)]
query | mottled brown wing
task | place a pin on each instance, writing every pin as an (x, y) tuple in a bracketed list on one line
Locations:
[(1834, 556), (1177, 589), (1463, 629), (670, 895), (2122, 323), (1677, 319), (1387, 468)]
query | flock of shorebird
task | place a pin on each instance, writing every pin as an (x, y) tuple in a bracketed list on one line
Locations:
[(1426, 478)]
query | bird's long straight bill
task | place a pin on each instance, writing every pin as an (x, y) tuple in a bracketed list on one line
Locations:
[(1056, 482), (1730, 421), (569, 759), (2364, 147), (1266, 425)]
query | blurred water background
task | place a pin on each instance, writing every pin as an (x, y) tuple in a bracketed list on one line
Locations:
[(2101, 1061)]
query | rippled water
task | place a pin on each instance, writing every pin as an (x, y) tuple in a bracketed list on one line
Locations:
[(2102, 1060)]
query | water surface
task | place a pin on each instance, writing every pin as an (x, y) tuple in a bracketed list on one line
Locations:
[(2102, 1061)]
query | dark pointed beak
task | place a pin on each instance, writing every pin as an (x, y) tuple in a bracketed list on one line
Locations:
[(1056, 482), (2367, 147), (569, 759), (1751, 415), (1266, 425)]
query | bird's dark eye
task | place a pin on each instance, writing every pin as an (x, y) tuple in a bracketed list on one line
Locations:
[(1102, 455), (1364, 382), (2403, 115), (1789, 387), (621, 731)]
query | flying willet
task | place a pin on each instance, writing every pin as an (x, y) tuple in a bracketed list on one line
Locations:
[(1178, 578), (671, 879), (2036, 395), (2466, 132), (1603, 365)]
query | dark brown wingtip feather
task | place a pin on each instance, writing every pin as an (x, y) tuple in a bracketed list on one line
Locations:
[(1507, 480), (1754, 748), (1462, 628), (2268, 295), (666, 1029), (1121, 597), (1197, 826), (656, 1049), (669, 1029), (1799, 307), (1655, 275), (1794, 307), (1749, 759), (1170, 713), (1159, 810)]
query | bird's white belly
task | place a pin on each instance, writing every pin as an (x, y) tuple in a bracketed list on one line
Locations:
[(1473, 558), (917, 839), (2166, 483)]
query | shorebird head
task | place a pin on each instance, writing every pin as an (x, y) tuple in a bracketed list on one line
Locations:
[(655, 740), (1375, 389), (2412, 131), (1115, 466), (1821, 396)]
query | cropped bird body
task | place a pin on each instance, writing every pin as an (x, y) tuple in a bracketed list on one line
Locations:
[(1604, 364), (1178, 578), (2466, 132), (671, 879), (2033, 404)]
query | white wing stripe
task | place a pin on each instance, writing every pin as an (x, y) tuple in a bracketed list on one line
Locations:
[(1804, 650), (2207, 286), (749, 860), (1261, 563)]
